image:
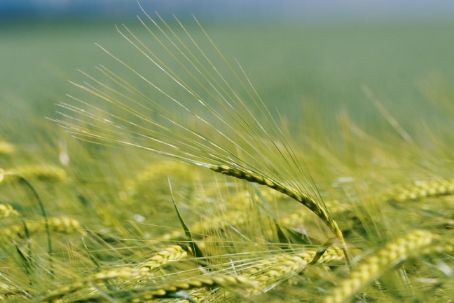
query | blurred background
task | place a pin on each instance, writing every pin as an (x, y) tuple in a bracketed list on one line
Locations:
[(296, 51), (255, 9)]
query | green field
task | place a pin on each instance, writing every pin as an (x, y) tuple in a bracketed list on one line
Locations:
[(337, 188), (288, 63)]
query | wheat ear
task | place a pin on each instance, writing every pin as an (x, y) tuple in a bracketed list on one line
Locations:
[(187, 142), (250, 176), (169, 290), (422, 189), (114, 273), (374, 266), (63, 225), (48, 173), (443, 246), (170, 254), (283, 266)]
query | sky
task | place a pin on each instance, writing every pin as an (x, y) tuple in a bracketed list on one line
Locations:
[(290, 9)]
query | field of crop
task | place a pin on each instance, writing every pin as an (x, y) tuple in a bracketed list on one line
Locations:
[(226, 163)]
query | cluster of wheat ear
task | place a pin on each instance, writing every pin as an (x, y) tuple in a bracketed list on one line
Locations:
[(242, 208)]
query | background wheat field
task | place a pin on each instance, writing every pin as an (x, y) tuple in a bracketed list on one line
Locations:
[(325, 175)]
